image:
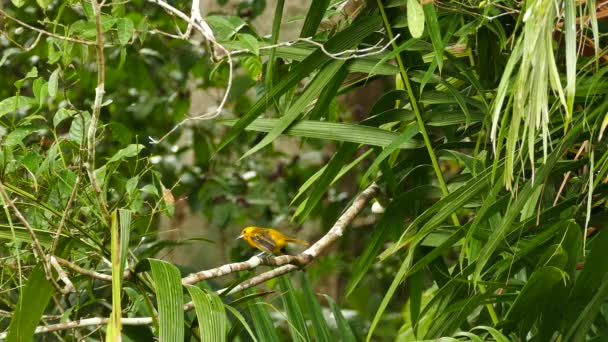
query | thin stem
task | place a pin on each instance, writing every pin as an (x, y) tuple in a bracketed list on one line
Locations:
[(415, 108)]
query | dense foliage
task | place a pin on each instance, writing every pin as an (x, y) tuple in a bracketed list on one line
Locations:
[(480, 122)]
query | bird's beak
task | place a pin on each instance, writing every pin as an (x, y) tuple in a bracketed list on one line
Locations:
[(239, 237)]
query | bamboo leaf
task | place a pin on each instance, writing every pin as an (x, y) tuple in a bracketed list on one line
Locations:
[(168, 287), (332, 131), (211, 314)]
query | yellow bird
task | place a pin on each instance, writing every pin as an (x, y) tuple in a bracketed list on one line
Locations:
[(268, 240)]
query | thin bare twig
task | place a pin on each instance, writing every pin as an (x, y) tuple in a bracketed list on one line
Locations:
[(62, 275), (351, 54), (64, 216), (561, 187), (90, 273)]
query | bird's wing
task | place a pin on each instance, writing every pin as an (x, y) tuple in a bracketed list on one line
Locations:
[(264, 241)]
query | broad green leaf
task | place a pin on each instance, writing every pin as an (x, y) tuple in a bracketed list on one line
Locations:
[(78, 129), (586, 319), (250, 43), (18, 3), (127, 152), (30, 306), (332, 131), (53, 83), (224, 27), (211, 314), (33, 299), (415, 18), (252, 65), (124, 30), (33, 73), (168, 288), (589, 282), (497, 335), (16, 137), (12, 104)]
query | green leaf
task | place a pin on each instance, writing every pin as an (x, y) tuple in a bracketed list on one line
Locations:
[(44, 4), (242, 320), (570, 39), (529, 188), (53, 83), (124, 30), (32, 302), (142, 29), (319, 325), (331, 131), (262, 321), (33, 299), (315, 14), (33, 73), (415, 18), (534, 298), (14, 103), (168, 288), (224, 27), (61, 115), (212, 319), (80, 123), (252, 65), (127, 152), (18, 3), (346, 333), (119, 244), (297, 324), (250, 43), (16, 137), (430, 17)]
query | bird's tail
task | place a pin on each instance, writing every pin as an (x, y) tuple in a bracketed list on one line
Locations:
[(298, 242)]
